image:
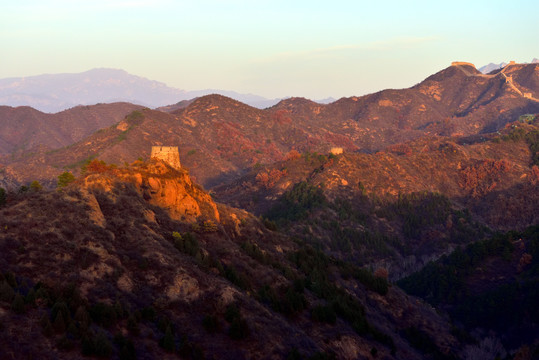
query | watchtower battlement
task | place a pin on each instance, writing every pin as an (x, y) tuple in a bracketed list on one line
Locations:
[(168, 154)]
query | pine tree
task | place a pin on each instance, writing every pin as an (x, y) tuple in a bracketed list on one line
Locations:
[(59, 323)]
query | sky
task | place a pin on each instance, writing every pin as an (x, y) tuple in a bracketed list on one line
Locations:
[(314, 49)]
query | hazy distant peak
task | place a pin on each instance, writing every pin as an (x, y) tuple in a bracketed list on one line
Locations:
[(491, 67), (56, 92), (119, 74), (111, 71), (327, 100)]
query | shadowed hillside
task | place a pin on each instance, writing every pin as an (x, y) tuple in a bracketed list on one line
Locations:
[(113, 266), (401, 207)]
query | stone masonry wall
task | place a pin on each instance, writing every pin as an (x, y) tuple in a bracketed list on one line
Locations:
[(168, 154)]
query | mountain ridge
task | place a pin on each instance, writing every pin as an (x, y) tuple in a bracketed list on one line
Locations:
[(221, 138), (52, 93), (24, 128)]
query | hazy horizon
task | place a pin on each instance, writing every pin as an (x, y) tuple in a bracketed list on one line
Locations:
[(271, 49)]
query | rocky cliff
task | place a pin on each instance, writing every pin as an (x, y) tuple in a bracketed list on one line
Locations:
[(161, 185)]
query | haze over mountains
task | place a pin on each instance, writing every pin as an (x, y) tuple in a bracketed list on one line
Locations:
[(56, 92), (491, 66), (318, 216), (52, 93)]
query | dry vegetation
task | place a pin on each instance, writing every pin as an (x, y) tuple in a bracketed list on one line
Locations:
[(96, 269)]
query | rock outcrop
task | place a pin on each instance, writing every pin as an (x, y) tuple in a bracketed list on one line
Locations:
[(161, 185)]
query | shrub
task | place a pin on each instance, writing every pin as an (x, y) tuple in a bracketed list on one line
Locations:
[(210, 323), (238, 325), (322, 356), (127, 349), (232, 311), (167, 342), (534, 177), (59, 324), (148, 313), (255, 252), (60, 307), (269, 179), (292, 155), (381, 273), (97, 166), (186, 243), (102, 345), (2, 196), (30, 298), (234, 277), (294, 354), (18, 305), (293, 302), (96, 345), (238, 329), (481, 178), (65, 178), (270, 225), (65, 343), (103, 314), (324, 313), (82, 318), (132, 325), (35, 186), (209, 226), (135, 117), (400, 149), (423, 342), (6, 292)]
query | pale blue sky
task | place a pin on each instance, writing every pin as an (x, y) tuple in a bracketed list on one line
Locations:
[(276, 48)]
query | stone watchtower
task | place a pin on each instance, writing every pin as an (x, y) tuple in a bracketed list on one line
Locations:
[(168, 154)]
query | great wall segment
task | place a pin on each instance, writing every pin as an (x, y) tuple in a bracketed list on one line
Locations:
[(508, 78), (168, 154)]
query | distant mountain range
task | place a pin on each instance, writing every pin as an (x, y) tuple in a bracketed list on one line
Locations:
[(52, 93), (56, 92), (491, 67)]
